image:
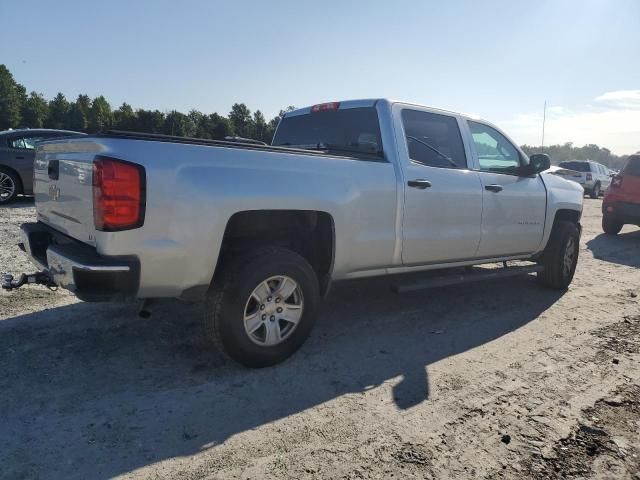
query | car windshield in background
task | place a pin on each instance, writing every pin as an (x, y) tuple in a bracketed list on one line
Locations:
[(576, 166), (350, 131), (633, 166)]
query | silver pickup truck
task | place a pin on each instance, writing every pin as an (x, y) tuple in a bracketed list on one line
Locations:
[(258, 232)]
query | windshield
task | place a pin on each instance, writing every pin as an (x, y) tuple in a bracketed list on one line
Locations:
[(577, 166), (352, 130)]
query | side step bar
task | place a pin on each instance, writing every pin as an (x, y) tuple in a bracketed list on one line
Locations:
[(473, 276)]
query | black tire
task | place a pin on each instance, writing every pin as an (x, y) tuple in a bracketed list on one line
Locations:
[(9, 180), (556, 275), (595, 192), (230, 291), (611, 225)]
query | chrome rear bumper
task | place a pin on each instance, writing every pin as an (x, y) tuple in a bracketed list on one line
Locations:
[(77, 267)]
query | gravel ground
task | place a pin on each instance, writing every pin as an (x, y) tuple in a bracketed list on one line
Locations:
[(511, 382)]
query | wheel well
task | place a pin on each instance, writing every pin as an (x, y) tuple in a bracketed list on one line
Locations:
[(15, 172), (308, 233), (567, 216), (564, 215)]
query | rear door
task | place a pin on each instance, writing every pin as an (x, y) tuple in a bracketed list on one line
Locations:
[(605, 178), (514, 206), (442, 196)]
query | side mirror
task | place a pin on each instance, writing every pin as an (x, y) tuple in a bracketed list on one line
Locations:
[(538, 162)]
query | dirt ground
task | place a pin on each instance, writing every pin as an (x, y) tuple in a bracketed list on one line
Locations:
[(500, 379)]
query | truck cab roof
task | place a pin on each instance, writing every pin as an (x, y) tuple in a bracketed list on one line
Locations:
[(361, 103)]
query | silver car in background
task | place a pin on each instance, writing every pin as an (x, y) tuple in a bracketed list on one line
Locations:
[(17, 152), (593, 176)]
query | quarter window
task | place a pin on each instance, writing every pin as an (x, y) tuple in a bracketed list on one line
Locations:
[(433, 139), (495, 152), (28, 143)]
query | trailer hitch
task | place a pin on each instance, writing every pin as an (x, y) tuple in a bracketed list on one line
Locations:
[(38, 278)]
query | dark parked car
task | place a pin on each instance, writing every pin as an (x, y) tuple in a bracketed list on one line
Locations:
[(17, 151)]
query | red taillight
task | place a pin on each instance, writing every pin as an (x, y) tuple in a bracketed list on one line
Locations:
[(616, 182), (118, 194), (589, 177), (323, 107)]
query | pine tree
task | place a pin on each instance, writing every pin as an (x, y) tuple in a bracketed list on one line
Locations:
[(11, 100), (35, 111)]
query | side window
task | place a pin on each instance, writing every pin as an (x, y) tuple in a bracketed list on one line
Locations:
[(17, 142), (433, 139), (495, 152), (23, 143)]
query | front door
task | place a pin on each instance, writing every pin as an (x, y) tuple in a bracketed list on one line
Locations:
[(443, 198), (514, 206)]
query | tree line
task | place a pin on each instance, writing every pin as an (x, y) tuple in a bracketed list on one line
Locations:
[(568, 151), (84, 114)]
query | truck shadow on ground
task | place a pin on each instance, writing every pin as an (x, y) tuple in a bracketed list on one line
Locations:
[(623, 248), (92, 391), (20, 202)]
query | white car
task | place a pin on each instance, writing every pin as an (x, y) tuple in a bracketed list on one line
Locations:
[(593, 176)]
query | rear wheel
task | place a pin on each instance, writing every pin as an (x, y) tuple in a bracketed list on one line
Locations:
[(9, 186), (560, 256), (595, 192), (261, 307), (611, 225)]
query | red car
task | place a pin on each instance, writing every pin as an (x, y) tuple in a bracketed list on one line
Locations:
[(621, 204)]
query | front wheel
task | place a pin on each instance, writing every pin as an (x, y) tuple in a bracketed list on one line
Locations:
[(610, 225), (560, 256), (262, 306), (8, 186)]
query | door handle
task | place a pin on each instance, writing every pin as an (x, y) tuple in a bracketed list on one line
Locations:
[(419, 183), (493, 188), (19, 158)]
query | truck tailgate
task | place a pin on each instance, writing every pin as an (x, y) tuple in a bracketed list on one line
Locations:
[(63, 172)]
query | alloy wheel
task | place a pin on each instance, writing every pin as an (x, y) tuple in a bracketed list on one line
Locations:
[(273, 310), (7, 187)]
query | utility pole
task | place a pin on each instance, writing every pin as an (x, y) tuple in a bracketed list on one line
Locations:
[(544, 119)]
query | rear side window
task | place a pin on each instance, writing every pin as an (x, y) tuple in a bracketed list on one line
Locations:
[(576, 166), (433, 139), (633, 166), (28, 143), (350, 131)]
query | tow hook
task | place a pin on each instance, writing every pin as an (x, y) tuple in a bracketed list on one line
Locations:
[(38, 278)]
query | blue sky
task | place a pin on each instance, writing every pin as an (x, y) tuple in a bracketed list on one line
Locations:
[(498, 59)]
